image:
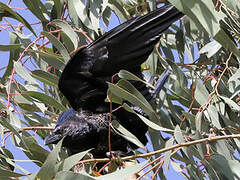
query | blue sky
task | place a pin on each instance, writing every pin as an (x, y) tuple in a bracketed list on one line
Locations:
[(18, 154)]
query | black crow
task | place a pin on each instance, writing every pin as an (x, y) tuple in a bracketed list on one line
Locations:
[(84, 83)]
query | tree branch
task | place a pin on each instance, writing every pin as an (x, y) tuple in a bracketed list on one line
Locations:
[(211, 139), (31, 128)]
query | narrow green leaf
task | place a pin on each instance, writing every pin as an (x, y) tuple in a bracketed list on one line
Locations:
[(7, 173), (234, 165), (235, 76), (5, 159), (7, 125), (132, 98), (147, 121), (34, 151), (180, 139), (177, 166), (45, 99), (106, 16), (181, 78), (123, 173), (221, 165), (223, 38), (68, 30), (69, 162), (180, 43), (224, 148), (4, 122), (14, 119), (94, 11), (231, 103), (14, 54), (202, 93), (60, 47), (192, 172), (73, 14), (178, 135), (48, 170), (167, 156), (126, 134), (213, 116), (233, 5), (130, 88), (46, 77), (210, 49), (63, 175), (117, 7), (16, 16), (130, 76), (21, 71), (29, 107), (36, 8), (9, 47), (51, 59), (81, 11), (191, 119), (58, 8), (211, 171), (202, 12)]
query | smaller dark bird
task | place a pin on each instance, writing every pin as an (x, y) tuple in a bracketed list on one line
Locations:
[(84, 83)]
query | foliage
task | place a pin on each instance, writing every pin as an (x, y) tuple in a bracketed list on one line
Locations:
[(198, 111)]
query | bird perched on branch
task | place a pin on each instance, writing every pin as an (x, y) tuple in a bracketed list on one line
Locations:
[(84, 83)]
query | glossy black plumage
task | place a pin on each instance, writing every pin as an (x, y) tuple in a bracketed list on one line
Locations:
[(83, 83)]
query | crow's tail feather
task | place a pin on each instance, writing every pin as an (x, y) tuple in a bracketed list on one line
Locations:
[(159, 84)]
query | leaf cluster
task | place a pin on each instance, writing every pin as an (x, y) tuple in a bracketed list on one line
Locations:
[(201, 99)]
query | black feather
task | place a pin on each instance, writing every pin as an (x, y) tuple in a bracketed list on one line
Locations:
[(83, 83)]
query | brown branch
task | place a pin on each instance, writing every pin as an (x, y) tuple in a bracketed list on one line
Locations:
[(83, 46), (13, 70), (227, 128), (84, 34), (212, 139), (210, 96), (191, 105), (159, 166), (155, 160), (31, 128), (109, 126), (227, 62), (148, 171)]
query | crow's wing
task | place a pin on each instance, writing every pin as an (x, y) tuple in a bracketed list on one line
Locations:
[(83, 81), (130, 44)]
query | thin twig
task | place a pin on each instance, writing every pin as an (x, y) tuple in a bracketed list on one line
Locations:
[(148, 164), (212, 139), (109, 126), (31, 128), (13, 70), (210, 96), (155, 174)]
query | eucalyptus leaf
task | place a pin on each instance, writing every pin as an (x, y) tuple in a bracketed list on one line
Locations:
[(45, 99), (69, 162), (62, 175), (67, 29), (10, 13), (9, 47), (126, 134), (48, 169), (60, 47), (46, 77), (123, 173)]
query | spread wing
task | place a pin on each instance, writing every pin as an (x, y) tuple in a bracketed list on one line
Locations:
[(83, 81), (130, 44)]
